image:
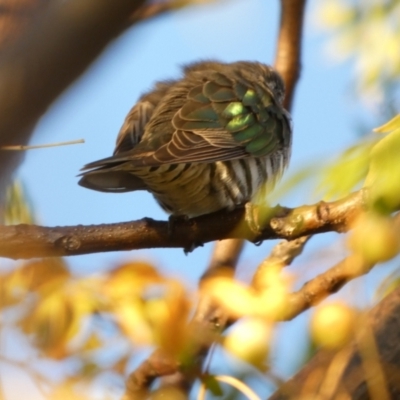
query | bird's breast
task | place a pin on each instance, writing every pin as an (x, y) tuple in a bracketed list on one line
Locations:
[(194, 189)]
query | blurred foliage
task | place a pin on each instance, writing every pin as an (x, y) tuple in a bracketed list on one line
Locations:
[(84, 320), (57, 312), (373, 163), (369, 32), (390, 283), (384, 170), (333, 325), (18, 209), (346, 172)]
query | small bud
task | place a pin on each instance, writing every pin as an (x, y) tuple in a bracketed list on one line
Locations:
[(375, 238), (250, 341), (332, 325)]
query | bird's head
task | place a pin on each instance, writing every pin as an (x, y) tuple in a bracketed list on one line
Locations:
[(265, 75)]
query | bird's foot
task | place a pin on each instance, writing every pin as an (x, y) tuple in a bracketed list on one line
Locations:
[(192, 247), (173, 220)]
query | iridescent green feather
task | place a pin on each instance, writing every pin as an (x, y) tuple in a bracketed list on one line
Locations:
[(240, 122), (217, 93), (259, 143), (267, 149), (230, 110), (248, 133), (192, 112), (199, 125), (250, 98)]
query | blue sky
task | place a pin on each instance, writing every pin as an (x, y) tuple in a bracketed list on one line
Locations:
[(95, 106)]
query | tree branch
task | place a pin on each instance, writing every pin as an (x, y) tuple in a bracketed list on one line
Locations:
[(329, 282), (51, 54), (288, 52), (27, 241)]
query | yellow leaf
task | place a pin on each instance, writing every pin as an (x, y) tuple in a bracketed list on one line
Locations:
[(130, 318), (49, 322), (93, 343), (235, 297), (55, 320), (18, 210), (131, 279), (13, 288), (45, 275), (168, 316), (393, 124)]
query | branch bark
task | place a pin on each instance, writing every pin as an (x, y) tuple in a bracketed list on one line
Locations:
[(28, 241), (288, 51)]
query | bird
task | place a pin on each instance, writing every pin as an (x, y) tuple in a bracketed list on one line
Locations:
[(217, 138)]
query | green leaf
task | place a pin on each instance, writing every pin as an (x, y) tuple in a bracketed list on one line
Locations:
[(342, 176), (384, 172)]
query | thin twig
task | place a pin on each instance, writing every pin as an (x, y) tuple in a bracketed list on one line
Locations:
[(157, 364), (325, 284), (41, 146), (281, 255), (230, 380)]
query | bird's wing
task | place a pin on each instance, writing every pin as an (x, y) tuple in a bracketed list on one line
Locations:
[(220, 119), (225, 119), (132, 130), (135, 122), (106, 179), (102, 176)]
